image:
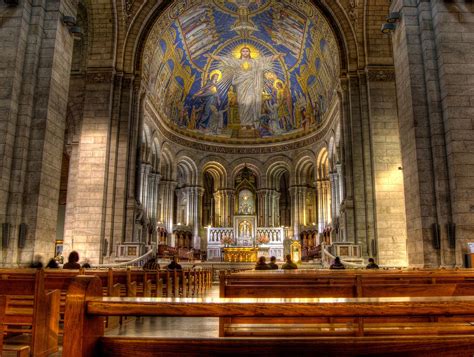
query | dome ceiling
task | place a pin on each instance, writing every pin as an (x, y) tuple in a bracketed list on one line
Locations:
[(231, 70)]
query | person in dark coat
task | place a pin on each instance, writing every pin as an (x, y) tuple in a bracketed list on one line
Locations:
[(273, 264), (261, 264), (72, 261), (174, 264), (337, 264), (289, 263), (372, 264)]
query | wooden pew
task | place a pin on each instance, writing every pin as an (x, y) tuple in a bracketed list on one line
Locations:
[(3, 307), (350, 283), (30, 309), (85, 335)]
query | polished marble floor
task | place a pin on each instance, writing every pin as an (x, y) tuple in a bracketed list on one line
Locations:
[(200, 327)]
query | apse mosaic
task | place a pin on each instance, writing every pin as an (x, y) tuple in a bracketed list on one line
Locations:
[(241, 68)]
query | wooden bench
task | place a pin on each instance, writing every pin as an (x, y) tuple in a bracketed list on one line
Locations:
[(350, 283), (30, 309), (85, 332), (346, 284)]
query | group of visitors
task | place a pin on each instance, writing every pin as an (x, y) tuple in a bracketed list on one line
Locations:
[(262, 264), (289, 264), (152, 264), (72, 262), (337, 264)]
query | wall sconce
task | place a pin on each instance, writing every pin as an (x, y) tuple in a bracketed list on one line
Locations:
[(393, 17), (388, 28)]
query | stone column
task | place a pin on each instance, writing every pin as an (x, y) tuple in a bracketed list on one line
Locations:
[(339, 188), (321, 210), (218, 207), (261, 208), (275, 221), (35, 56), (156, 190), (333, 189), (227, 198), (297, 208), (168, 204), (433, 43), (197, 242)]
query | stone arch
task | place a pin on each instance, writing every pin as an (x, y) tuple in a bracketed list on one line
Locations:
[(322, 164), (304, 169), (218, 173), (166, 167), (187, 167), (155, 157), (332, 151), (274, 173), (252, 164), (146, 143)]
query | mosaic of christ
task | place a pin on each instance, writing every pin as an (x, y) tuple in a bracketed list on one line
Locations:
[(243, 68)]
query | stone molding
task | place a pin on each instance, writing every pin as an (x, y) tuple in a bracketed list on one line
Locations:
[(381, 75), (99, 77)]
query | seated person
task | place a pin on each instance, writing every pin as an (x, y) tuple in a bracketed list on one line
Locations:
[(273, 264), (337, 264), (261, 264), (151, 264), (52, 264), (372, 264), (174, 264), (72, 261), (37, 263), (86, 264), (289, 263)]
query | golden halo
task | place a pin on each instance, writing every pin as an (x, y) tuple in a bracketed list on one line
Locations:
[(276, 82), (216, 71), (254, 51)]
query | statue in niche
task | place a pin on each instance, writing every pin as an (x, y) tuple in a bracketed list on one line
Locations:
[(245, 233), (246, 202)]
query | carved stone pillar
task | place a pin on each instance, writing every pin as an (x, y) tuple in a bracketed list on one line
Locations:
[(146, 168), (198, 193), (321, 211), (333, 191), (218, 209), (261, 208), (168, 205), (227, 198), (275, 219), (297, 208), (156, 190)]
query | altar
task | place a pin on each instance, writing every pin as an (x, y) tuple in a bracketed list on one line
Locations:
[(244, 241), (240, 254)]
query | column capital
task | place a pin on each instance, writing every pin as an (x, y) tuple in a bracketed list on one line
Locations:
[(226, 191), (169, 184)]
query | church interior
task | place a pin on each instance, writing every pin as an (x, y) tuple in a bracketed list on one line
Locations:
[(214, 135)]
